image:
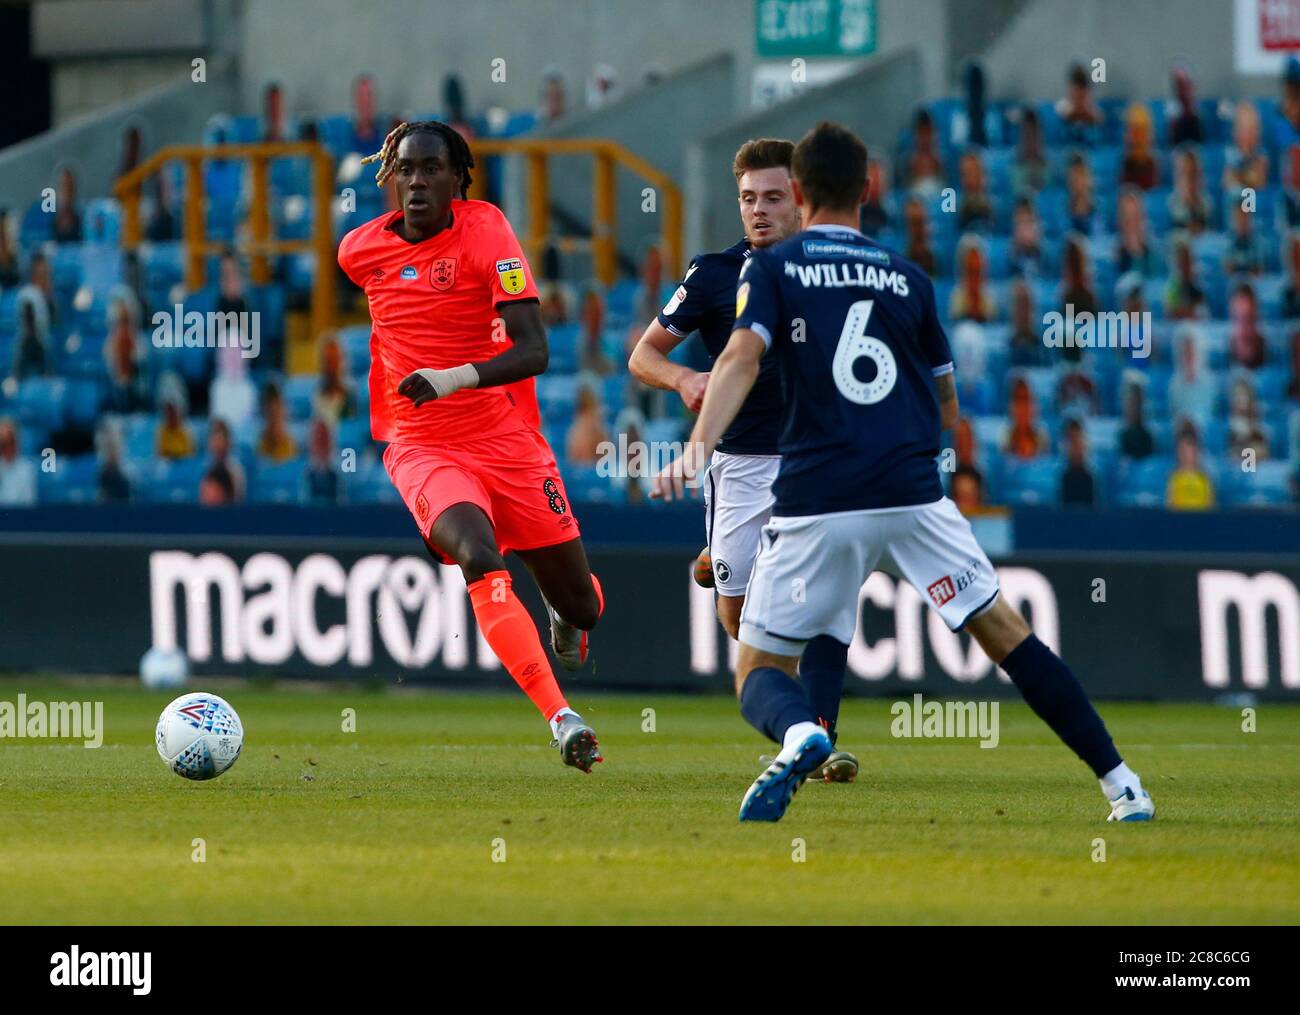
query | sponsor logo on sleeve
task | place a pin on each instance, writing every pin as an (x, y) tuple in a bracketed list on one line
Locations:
[(671, 306), (941, 591), (742, 298), (510, 272)]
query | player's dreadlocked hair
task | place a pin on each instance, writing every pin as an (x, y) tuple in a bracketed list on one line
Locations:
[(459, 151)]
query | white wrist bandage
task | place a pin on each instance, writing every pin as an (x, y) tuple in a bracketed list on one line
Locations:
[(448, 382)]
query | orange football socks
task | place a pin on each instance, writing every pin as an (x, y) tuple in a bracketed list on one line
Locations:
[(513, 636)]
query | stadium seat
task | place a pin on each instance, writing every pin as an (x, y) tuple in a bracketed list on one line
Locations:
[(562, 341), (245, 129), (161, 481), (32, 440), (37, 227), (621, 299), (299, 393), (1142, 483), (585, 484), (353, 433), (82, 398), (1033, 482), (268, 301), (40, 402), (139, 435), (103, 221), (370, 485), (666, 430), (1103, 431), (1270, 485), (355, 340), (557, 395), (73, 480), (277, 484)]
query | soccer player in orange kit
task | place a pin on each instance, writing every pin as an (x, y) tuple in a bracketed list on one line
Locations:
[(457, 338)]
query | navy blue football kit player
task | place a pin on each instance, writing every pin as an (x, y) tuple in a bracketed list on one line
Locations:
[(738, 482), (868, 387)]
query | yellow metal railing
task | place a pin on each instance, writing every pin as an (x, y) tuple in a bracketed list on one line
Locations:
[(607, 156), (260, 245)]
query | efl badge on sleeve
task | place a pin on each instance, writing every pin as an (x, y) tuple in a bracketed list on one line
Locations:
[(511, 274), (443, 273)]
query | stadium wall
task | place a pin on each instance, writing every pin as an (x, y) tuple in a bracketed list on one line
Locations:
[(174, 113), (315, 48), (875, 102), (343, 594), (651, 123), (1137, 41)]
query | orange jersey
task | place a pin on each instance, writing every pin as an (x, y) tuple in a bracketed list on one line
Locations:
[(434, 304)]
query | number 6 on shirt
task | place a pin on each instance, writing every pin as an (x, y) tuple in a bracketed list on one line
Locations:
[(853, 345)]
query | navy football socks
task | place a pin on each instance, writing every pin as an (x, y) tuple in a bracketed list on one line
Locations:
[(1052, 690), (821, 669), (772, 702)]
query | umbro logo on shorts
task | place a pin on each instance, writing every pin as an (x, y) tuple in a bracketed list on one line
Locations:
[(941, 591)]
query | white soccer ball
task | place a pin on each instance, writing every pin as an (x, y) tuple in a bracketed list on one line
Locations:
[(199, 735), (164, 669)]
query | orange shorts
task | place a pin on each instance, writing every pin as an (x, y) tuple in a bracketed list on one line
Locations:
[(512, 477)]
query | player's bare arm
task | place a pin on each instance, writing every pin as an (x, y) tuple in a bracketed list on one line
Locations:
[(527, 356), (948, 409), (650, 365), (733, 376)]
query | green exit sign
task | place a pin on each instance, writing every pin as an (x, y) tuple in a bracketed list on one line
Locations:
[(815, 27)]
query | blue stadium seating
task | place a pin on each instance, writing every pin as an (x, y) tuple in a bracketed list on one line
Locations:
[(277, 484), (85, 273)]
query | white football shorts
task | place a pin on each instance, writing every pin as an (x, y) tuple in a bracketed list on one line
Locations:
[(810, 568), (737, 504)]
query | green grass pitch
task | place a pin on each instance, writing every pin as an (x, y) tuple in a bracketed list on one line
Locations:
[(399, 821)]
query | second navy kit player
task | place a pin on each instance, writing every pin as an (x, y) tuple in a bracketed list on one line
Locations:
[(738, 482)]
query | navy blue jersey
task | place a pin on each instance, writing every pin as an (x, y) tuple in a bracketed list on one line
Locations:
[(859, 343), (706, 300)]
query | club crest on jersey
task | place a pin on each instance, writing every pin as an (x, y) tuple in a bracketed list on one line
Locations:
[(511, 273), (408, 271), (443, 273)]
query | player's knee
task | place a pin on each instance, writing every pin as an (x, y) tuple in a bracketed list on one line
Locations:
[(998, 630), (582, 609), (478, 559)]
